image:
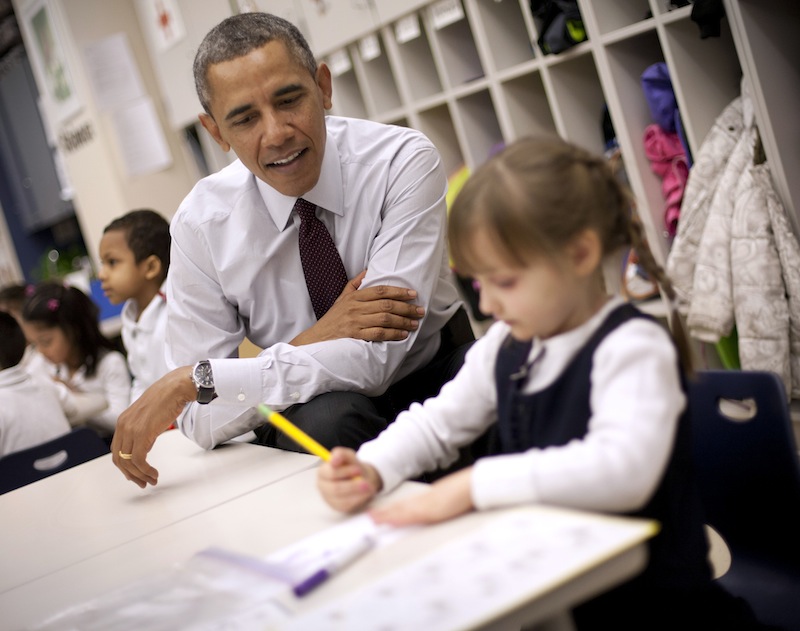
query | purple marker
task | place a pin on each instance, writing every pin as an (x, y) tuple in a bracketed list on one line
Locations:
[(338, 560)]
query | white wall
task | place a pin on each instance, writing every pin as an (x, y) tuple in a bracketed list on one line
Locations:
[(103, 189)]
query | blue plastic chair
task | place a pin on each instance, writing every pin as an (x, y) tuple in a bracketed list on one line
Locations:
[(749, 479), (36, 463)]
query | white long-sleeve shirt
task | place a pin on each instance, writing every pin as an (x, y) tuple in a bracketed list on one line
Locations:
[(30, 413), (144, 338), (636, 401), (235, 271), (96, 401)]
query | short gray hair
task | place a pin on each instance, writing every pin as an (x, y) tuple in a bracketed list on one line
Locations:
[(241, 34)]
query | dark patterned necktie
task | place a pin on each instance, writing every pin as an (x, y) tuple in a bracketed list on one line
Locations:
[(322, 265)]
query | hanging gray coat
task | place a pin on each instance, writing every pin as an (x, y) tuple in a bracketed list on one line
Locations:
[(736, 260)]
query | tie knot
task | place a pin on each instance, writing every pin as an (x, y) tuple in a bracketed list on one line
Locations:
[(305, 210)]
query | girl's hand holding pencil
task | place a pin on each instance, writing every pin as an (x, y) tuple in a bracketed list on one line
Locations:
[(346, 483)]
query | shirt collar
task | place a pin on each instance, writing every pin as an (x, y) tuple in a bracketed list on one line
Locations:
[(147, 319), (327, 193), (567, 344), (12, 376)]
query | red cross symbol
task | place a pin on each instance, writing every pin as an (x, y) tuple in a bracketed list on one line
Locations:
[(164, 19)]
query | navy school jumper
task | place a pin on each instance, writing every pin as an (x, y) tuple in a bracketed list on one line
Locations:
[(678, 574)]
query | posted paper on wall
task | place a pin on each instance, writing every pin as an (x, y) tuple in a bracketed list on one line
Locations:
[(140, 138), (113, 73)]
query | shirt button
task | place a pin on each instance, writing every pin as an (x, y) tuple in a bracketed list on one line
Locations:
[(241, 396), (295, 395)]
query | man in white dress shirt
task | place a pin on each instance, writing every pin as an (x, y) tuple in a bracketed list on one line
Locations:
[(398, 330)]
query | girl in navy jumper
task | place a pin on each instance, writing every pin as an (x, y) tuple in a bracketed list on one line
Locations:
[(582, 394)]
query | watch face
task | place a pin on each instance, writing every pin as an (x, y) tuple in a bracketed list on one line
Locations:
[(202, 375)]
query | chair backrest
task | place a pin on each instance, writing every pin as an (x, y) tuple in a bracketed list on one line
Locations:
[(35, 463), (747, 470)]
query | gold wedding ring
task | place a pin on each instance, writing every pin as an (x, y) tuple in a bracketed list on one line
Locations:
[(125, 456)]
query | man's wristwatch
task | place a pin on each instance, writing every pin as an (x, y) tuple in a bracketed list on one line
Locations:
[(203, 379)]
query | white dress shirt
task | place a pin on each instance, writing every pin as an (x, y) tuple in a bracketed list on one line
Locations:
[(30, 413), (34, 362), (635, 402), (144, 339), (235, 271), (96, 401)]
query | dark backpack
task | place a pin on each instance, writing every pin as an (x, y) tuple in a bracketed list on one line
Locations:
[(561, 25)]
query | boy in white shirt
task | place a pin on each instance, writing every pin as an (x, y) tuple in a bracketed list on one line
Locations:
[(134, 257), (23, 424)]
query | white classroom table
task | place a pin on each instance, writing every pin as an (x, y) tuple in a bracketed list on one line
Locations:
[(89, 509), (271, 517)]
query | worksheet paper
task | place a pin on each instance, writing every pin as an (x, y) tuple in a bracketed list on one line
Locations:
[(478, 577)]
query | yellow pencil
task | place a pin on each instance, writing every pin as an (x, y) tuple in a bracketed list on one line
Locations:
[(294, 432)]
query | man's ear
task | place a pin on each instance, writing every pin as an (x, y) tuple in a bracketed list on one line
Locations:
[(585, 252), (212, 128), (152, 267), (325, 84)]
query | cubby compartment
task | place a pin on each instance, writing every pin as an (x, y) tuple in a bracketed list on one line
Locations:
[(481, 130), (455, 46), (613, 15), (668, 8), (771, 46), (358, 16), (390, 10), (348, 99), (577, 101), (627, 60), (527, 107), (507, 41), (415, 58), (379, 82), (437, 124), (705, 89)]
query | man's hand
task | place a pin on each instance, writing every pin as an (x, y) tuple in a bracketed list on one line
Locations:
[(447, 498), (150, 415), (376, 314), (345, 483)]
